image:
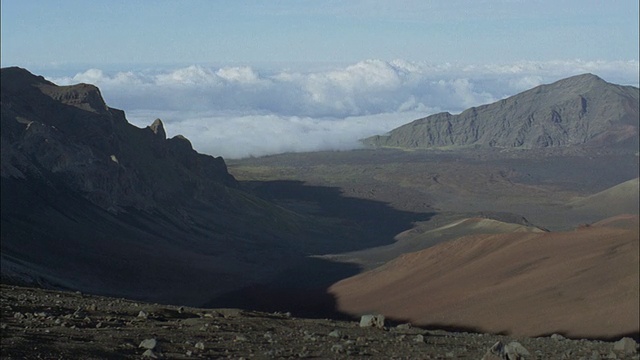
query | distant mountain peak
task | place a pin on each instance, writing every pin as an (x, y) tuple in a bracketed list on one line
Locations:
[(582, 110)]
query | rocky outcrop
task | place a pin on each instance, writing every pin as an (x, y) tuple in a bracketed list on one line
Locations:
[(69, 136), (580, 110)]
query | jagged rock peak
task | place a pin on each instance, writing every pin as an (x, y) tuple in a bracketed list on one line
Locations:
[(158, 128)]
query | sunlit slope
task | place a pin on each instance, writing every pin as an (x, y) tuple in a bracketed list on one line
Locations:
[(579, 110), (582, 283), (420, 238), (622, 198)]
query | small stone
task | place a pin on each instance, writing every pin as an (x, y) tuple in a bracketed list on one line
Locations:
[(515, 351), (626, 345), (335, 334), (240, 338), (148, 353), (337, 348), (406, 326), (189, 352), (496, 352), (148, 344), (375, 321), (595, 355), (143, 314), (567, 354), (181, 310), (310, 336), (450, 354), (557, 337), (18, 315), (199, 345), (419, 338)]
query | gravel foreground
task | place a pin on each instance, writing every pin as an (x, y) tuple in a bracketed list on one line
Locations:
[(43, 324)]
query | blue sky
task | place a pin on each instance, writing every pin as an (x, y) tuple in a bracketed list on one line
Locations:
[(41, 32), (243, 78)]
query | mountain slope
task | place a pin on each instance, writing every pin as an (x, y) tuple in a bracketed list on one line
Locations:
[(93, 203), (622, 198), (582, 283), (580, 110)]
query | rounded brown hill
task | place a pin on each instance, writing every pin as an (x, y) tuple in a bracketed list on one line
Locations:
[(582, 283)]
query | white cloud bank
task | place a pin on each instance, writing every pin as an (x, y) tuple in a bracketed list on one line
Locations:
[(239, 111)]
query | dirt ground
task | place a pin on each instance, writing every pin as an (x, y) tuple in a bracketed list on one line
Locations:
[(44, 324)]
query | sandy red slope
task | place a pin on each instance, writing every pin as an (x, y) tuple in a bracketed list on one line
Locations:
[(583, 283)]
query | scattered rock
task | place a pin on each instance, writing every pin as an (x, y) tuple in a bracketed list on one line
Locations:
[(148, 344), (149, 354), (375, 321), (406, 326), (247, 334), (512, 351), (143, 314), (626, 345), (495, 352), (515, 350), (557, 337)]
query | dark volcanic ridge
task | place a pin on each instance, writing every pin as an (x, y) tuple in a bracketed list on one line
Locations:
[(93, 203), (583, 110)]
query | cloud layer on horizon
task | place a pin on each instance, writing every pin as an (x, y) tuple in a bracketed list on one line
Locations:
[(240, 111)]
